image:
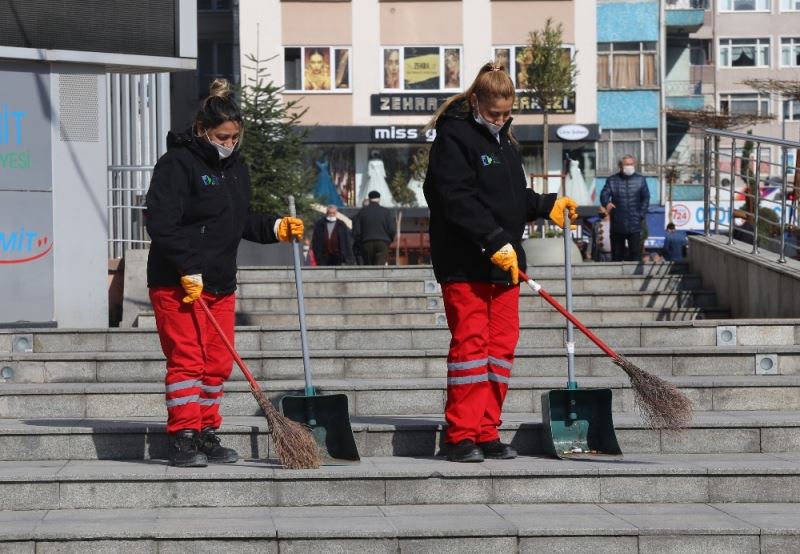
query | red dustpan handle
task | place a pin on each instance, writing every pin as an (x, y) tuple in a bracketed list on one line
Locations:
[(239, 360), (537, 288)]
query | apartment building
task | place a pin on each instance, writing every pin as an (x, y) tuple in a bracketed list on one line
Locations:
[(371, 73)]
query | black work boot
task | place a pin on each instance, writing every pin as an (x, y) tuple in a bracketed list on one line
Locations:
[(183, 450), (214, 451), (497, 450), (464, 451)]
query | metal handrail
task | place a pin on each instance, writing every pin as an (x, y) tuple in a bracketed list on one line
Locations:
[(756, 178)]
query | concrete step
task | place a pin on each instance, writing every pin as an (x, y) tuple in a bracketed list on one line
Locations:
[(369, 397), (342, 363), (417, 302), (588, 316), (608, 528), (360, 287), (390, 435), (722, 333), (636, 478), (580, 270)]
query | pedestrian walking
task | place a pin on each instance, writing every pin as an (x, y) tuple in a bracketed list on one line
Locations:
[(626, 198), (374, 229), (479, 203), (198, 210), (331, 240)]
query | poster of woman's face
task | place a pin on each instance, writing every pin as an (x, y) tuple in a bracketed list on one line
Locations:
[(318, 69), (502, 56), (391, 68), (452, 68)]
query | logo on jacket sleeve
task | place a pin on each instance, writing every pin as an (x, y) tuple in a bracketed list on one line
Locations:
[(490, 159), (210, 180)]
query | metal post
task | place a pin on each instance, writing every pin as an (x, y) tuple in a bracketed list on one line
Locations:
[(784, 168), (716, 184), (756, 198), (733, 188), (706, 192)]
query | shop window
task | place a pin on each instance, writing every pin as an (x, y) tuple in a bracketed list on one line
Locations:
[(749, 104), (316, 69), (429, 68), (626, 65), (744, 52), (744, 5), (642, 144), (790, 5), (790, 52), (516, 60)]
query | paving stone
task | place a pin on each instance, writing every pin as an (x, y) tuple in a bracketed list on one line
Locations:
[(680, 518), (654, 489), (450, 545), (340, 546), (702, 544), (764, 335), (537, 520), (200, 546), (571, 545), (711, 441), (764, 398), (439, 491), (786, 439), (443, 521), (754, 488), (17, 547), (72, 371), (780, 544), (546, 489)]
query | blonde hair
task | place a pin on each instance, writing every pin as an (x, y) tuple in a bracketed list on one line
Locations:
[(492, 81)]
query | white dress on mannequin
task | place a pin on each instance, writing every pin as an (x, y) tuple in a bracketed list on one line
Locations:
[(376, 180), (577, 188), (416, 186)]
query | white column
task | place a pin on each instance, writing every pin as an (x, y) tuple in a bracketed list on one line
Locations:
[(586, 58), (260, 35), (477, 24), (366, 57)]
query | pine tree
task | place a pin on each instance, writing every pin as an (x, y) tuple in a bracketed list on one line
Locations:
[(272, 145)]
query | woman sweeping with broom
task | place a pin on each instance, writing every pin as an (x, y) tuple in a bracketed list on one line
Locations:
[(198, 210), (479, 202)]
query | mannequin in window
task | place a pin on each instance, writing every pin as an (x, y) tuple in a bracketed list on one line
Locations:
[(376, 179), (576, 185), (325, 189)]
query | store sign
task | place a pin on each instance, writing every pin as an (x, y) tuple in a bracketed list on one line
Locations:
[(426, 104), (572, 132), (404, 134)]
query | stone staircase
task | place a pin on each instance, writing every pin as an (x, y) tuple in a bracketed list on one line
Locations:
[(82, 429)]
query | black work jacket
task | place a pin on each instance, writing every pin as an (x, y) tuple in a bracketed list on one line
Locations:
[(478, 198)]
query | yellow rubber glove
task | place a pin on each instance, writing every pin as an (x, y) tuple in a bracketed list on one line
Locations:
[(506, 259), (289, 227), (557, 213), (193, 285)]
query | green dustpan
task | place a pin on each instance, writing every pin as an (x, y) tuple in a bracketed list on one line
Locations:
[(327, 415), (576, 423)]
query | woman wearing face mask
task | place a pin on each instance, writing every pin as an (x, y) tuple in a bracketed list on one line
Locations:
[(198, 209), (479, 202)]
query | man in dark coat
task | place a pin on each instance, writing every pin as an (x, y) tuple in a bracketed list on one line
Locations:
[(374, 229), (626, 198), (331, 241)]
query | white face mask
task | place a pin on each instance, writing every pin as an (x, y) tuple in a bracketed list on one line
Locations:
[(628, 170), (331, 218), (224, 151), (494, 128)]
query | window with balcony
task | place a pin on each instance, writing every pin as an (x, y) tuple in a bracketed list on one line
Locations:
[(429, 68), (744, 5), (316, 69), (744, 52), (749, 104), (790, 5), (639, 143), (791, 110), (790, 52), (701, 52), (626, 65)]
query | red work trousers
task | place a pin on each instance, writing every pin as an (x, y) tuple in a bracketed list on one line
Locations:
[(198, 363), (484, 324)]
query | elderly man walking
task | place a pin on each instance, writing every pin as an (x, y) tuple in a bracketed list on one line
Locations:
[(626, 198)]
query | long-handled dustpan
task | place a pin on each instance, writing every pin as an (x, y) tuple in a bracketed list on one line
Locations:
[(576, 422), (327, 415)]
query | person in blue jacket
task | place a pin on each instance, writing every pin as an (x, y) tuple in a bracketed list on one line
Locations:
[(674, 244), (626, 198)]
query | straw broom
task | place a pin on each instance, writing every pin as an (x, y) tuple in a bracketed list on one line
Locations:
[(294, 443), (660, 404)]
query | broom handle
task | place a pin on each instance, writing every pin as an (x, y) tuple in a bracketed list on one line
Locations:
[(571, 383), (301, 303), (229, 346), (537, 288)]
